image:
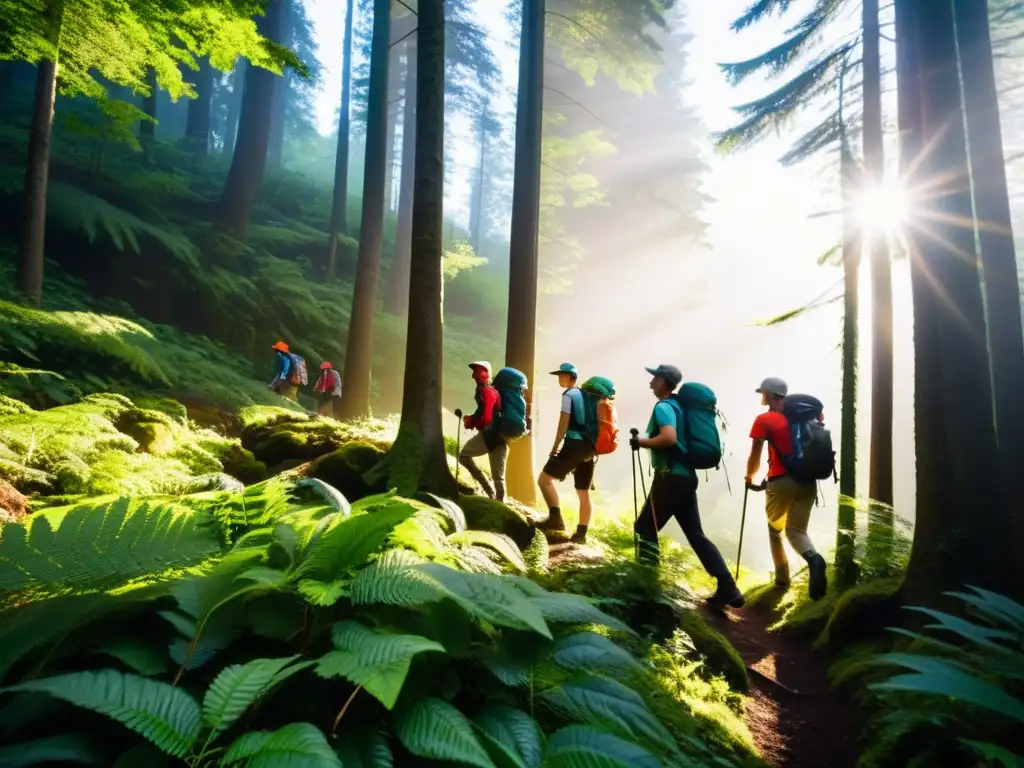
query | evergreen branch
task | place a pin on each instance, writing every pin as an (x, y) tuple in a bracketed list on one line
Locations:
[(761, 9)]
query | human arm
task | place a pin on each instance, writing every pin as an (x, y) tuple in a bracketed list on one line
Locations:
[(754, 459), (665, 438), (563, 426)]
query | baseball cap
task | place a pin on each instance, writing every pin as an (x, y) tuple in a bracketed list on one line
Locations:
[(567, 368), (481, 364), (773, 385), (669, 374)]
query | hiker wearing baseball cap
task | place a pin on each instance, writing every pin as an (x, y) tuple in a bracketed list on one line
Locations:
[(571, 452), (674, 489), (284, 374), (485, 441), (788, 503)]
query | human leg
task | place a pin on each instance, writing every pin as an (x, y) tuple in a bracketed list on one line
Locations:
[(558, 467), (475, 446), (647, 527), (796, 531), (778, 497), (498, 457), (583, 479)]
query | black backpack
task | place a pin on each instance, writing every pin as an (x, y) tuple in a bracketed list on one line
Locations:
[(813, 457)]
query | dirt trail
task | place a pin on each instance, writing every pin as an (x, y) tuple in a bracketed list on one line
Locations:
[(795, 720)]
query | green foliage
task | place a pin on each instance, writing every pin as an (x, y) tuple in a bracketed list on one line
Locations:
[(960, 698)]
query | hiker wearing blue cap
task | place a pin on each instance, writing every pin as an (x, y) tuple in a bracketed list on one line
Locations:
[(674, 488), (570, 453)]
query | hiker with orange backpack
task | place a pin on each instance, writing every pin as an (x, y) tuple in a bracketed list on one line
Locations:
[(682, 436), (328, 390), (586, 429), (289, 372)]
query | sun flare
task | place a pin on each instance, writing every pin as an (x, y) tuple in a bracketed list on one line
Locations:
[(883, 208)]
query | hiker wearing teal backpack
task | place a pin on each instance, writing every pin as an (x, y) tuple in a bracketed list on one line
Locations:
[(485, 441), (571, 453), (682, 436), (794, 465)]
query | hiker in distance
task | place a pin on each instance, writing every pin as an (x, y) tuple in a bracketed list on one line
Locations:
[(486, 440), (571, 452), (788, 502), (289, 372), (674, 488), (328, 390)]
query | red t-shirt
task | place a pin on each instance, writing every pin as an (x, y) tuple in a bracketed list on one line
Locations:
[(773, 427)]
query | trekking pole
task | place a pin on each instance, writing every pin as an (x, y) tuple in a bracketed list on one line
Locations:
[(633, 458), (743, 521), (458, 442)]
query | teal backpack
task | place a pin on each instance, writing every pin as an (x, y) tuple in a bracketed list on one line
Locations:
[(700, 441), (510, 422)]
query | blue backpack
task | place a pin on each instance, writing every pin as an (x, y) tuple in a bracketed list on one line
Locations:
[(699, 441), (812, 458), (510, 423)]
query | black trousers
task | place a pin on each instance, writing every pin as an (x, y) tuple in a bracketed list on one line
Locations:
[(676, 496)]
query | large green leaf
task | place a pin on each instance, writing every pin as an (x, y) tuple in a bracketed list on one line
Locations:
[(997, 607), (993, 754), (559, 608), (67, 748), (498, 542), (976, 634), (594, 653), (936, 676), (296, 745), (142, 657), (605, 702), (579, 746), (348, 544), (436, 730), (365, 749), (237, 687), (378, 662), (167, 716), (514, 738)]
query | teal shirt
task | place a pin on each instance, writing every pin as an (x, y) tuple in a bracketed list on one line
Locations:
[(667, 413), (572, 403)]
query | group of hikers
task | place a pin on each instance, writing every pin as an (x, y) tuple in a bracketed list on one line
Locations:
[(682, 437)]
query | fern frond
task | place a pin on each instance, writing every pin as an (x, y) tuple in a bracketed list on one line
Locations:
[(583, 746), (328, 493), (434, 729), (166, 716), (293, 745), (453, 511), (237, 687)]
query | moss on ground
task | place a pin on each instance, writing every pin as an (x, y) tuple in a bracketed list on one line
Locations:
[(862, 613), (346, 469), (718, 654), (485, 514)]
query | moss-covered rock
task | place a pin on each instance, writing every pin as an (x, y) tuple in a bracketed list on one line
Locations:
[(862, 613), (152, 436), (719, 656), (9, 406), (240, 463), (172, 409), (346, 468), (485, 514)]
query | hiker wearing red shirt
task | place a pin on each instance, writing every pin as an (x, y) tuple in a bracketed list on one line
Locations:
[(788, 503), (328, 390), (485, 441)]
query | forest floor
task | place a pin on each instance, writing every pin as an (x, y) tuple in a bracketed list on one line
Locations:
[(796, 721)]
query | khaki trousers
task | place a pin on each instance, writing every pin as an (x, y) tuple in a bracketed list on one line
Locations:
[(788, 506)]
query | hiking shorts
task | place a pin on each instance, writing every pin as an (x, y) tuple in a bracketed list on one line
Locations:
[(576, 456), (788, 503)]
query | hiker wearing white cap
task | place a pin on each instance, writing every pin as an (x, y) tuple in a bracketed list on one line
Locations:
[(571, 453), (788, 503), (674, 488), (485, 441)]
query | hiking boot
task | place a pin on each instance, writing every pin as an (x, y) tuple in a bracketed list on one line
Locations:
[(819, 580), (726, 596), (580, 537), (554, 522), (782, 576)]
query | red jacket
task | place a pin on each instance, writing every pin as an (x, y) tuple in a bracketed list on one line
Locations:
[(487, 402)]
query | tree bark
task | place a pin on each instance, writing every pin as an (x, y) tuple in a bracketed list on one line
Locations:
[(520, 342), (995, 235), (339, 204), (250, 157), (197, 128), (275, 149), (476, 210), (418, 460), (238, 79), (394, 81), (397, 300), (880, 462), (37, 171), (147, 128), (963, 532), (358, 356)]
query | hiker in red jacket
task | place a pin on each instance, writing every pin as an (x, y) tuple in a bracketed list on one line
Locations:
[(328, 390), (485, 441)]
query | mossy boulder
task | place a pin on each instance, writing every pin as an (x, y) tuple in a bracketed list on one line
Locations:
[(862, 613), (240, 463), (153, 437), (483, 514), (346, 468), (10, 407)]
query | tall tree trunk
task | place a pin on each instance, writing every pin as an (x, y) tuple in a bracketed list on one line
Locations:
[(476, 209), (880, 462), (250, 158), (520, 341), (359, 354), (238, 79), (995, 234), (37, 172), (147, 128), (197, 128), (418, 459), (963, 532), (397, 300), (275, 150), (339, 205)]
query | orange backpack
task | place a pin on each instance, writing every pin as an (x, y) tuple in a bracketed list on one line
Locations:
[(607, 428)]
